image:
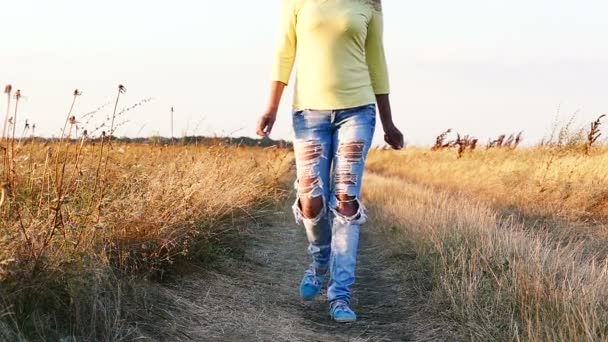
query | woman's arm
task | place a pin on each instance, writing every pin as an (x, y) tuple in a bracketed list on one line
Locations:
[(376, 61), (392, 135), (282, 67), (266, 121)]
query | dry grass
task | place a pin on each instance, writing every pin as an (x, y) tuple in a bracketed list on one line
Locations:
[(511, 244), (81, 217), (497, 279), (547, 181)]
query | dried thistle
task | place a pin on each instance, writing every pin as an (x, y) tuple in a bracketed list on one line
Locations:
[(121, 90), (511, 141), (594, 133), (7, 90), (73, 124), (14, 118), (439, 141), (75, 94), (518, 139), (461, 145), (26, 128), (464, 143), (473, 144), (11, 141), (498, 143)]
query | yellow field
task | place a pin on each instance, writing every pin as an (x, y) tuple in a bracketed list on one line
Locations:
[(76, 215), (501, 244), (510, 245), (551, 182)]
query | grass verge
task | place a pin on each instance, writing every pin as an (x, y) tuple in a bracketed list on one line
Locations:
[(83, 222), (496, 279)]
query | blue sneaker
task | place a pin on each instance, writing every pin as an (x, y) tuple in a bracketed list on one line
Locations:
[(311, 284), (341, 312)]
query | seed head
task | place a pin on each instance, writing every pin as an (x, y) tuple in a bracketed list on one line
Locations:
[(122, 89), (8, 88)]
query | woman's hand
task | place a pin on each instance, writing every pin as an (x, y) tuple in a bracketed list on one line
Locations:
[(393, 136), (265, 123)]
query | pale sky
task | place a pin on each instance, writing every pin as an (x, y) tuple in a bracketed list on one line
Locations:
[(479, 66)]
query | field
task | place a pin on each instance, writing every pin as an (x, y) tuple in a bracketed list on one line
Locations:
[(509, 244), (82, 220), (497, 245), (102, 240)]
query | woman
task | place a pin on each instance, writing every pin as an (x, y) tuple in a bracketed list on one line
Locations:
[(341, 77)]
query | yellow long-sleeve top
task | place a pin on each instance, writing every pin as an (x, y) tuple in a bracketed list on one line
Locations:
[(340, 53)]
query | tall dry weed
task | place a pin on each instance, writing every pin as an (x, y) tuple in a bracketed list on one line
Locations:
[(594, 134)]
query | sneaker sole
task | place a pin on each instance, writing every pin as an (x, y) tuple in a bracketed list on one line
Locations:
[(344, 320), (310, 299)]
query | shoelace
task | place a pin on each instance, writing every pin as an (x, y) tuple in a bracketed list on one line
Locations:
[(316, 279), (340, 305), (313, 278)]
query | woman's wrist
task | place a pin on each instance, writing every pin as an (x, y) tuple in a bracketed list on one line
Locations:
[(388, 125), (276, 92), (385, 112), (272, 108)]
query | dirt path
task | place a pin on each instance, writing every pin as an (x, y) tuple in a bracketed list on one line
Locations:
[(256, 297)]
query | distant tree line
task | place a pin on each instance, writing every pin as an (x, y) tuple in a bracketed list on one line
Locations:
[(187, 140)]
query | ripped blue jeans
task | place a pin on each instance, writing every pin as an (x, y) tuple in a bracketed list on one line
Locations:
[(330, 148)]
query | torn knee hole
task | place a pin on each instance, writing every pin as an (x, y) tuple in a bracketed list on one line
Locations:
[(347, 205), (349, 210), (311, 207)]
